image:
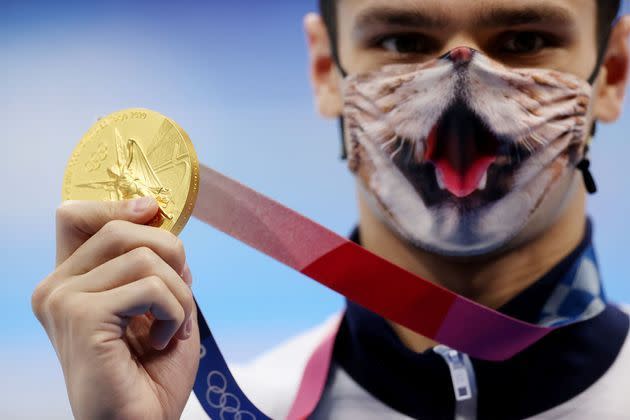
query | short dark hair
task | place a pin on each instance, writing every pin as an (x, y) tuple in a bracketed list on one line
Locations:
[(606, 13)]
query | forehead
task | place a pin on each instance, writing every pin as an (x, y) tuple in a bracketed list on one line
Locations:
[(462, 13)]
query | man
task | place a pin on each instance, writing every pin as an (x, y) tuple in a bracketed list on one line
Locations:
[(423, 211)]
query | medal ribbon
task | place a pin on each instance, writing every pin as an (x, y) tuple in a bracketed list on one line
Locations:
[(358, 274), (354, 272)]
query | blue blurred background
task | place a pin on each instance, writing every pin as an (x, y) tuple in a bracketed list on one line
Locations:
[(234, 74)]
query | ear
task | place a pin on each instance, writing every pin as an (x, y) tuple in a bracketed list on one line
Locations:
[(613, 80), (325, 77)]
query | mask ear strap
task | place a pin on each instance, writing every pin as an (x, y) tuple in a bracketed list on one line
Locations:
[(335, 56), (342, 131), (585, 164)]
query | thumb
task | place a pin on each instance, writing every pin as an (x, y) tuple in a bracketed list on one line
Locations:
[(77, 221)]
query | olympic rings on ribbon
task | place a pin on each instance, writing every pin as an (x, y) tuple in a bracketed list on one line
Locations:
[(228, 403), (202, 352)]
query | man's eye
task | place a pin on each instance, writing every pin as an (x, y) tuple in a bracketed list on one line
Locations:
[(523, 43), (406, 44)]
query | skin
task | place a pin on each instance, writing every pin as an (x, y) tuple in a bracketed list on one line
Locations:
[(118, 307), (367, 41)]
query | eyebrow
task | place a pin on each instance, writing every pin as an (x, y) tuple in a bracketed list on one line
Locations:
[(541, 14), (498, 17), (386, 16)]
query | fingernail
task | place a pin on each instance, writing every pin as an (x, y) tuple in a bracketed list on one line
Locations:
[(188, 327), (140, 205), (67, 203)]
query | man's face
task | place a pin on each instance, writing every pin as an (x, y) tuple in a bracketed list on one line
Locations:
[(468, 140)]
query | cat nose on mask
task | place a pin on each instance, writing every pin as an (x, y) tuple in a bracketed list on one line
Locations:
[(460, 55)]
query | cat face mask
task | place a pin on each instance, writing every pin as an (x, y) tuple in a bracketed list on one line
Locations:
[(457, 154)]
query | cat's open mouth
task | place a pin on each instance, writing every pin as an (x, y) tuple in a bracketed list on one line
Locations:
[(463, 161)]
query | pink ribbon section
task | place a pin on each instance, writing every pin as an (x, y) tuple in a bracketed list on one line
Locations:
[(358, 274), (314, 377)]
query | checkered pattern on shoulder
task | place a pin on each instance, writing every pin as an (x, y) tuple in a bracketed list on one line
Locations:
[(578, 296)]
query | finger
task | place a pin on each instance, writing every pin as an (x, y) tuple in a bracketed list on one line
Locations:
[(185, 330), (119, 237), (79, 220), (137, 264), (187, 275), (147, 295), (189, 327)]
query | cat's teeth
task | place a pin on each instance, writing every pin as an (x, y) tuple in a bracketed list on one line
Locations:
[(483, 183), (440, 179)]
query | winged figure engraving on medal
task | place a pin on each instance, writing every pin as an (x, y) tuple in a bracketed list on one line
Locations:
[(133, 176)]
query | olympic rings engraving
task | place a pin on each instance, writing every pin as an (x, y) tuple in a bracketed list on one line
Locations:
[(97, 158), (202, 352), (228, 404)]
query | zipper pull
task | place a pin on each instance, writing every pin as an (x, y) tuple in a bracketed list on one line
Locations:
[(464, 383)]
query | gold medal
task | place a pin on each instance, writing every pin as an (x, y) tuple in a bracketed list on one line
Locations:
[(137, 153)]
